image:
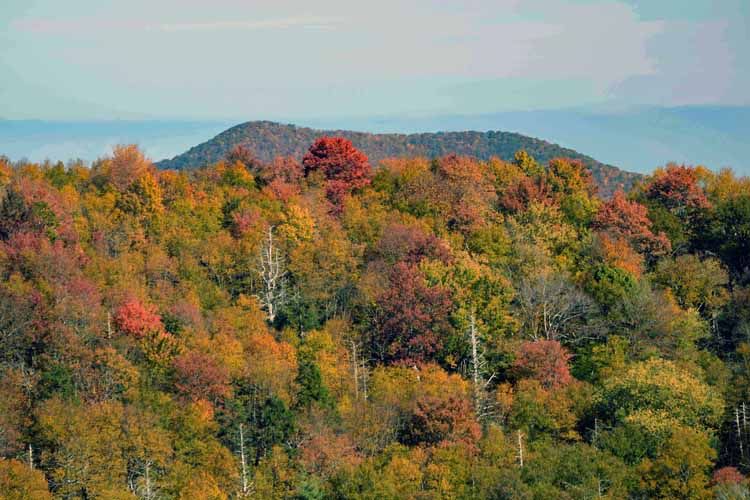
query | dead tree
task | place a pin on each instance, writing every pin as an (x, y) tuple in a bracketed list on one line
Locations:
[(359, 369), (246, 488), (551, 308), (272, 270), (148, 488), (480, 381), (739, 431), (143, 485), (356, 370)]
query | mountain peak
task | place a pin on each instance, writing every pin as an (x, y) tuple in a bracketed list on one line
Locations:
[(269, 139)]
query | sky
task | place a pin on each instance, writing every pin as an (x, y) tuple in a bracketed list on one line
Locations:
[(302, 60)]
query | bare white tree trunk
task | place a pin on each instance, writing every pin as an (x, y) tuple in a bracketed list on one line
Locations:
[(520, 449), (148, 490), (143, 486), (246, 485), (479, 380), (356, 370), (109, 325), (739, 432), (272, 272), (474, 339)]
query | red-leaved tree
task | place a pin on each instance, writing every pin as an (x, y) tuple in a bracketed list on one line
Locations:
[(629, 220), (411, 244), (283, 176), (244, 155), (137, 320), (677, 189), (414, 317), (440, 421), (525, 191), (344, 167), (198, 376), (545, 361)]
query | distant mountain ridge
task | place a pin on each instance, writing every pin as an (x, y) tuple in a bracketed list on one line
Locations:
[(270, 139)]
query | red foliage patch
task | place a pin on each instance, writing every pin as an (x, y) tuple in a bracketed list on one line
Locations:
[(629, 220), (728, 475), (439, 422), (243, 155), (344, 167), (285, 168), (411, 244), (677, 188), (137, 320), (198, 376), (414, 317), (545, 361), (524, 192)]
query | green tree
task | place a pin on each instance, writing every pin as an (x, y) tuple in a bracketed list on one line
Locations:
[(680, 470)]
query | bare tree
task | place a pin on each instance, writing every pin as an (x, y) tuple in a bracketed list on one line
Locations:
[(479, 377), (272, 270), (143, 485), (552, 308), (356, 369), (360, 374), (246, 488)]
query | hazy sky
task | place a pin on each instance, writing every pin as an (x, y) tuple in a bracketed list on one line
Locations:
[(248, 59)]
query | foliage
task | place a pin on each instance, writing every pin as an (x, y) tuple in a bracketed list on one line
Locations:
[(657, 391), (680, 469), (270, 140), (629, 220), (414, 317), (450, 327), (438, 421), (545, 361), (18, 481), (343, 166)]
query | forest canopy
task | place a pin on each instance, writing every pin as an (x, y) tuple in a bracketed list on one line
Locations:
[(332, 326), (269, 140)]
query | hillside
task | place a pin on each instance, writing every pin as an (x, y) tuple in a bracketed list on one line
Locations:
[(269, 140), (323, 331)]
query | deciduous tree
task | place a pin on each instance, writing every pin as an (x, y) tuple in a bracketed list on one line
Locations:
[(413, 320), (629, 220), (545, 361), (344, 167)]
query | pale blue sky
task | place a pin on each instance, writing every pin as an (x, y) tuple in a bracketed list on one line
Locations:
[(246, 59)]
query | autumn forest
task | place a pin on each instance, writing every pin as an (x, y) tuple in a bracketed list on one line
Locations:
[(334, 327)]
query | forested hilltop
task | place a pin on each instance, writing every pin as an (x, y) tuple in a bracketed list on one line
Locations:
[(447, 328), (269, 140)]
